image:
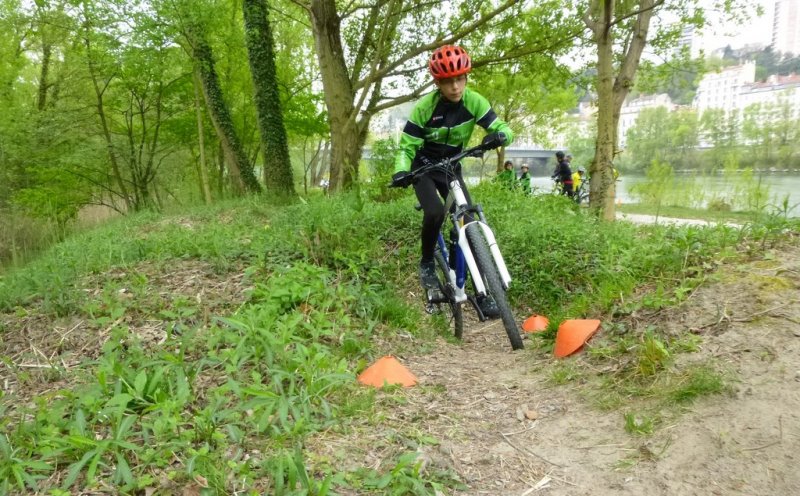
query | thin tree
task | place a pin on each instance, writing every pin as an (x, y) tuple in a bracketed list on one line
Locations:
[(619, 34), (239, 168), (261, 55)]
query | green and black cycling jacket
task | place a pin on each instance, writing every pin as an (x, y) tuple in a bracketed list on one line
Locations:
[(439, 128)]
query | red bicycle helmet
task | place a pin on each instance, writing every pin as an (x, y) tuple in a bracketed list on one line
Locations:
[(449, 61)]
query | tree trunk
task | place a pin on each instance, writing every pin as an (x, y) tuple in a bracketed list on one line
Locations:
[(339, 95), (43, 85), (203, 176), (310, 170), (220, 170), (239, 169), (501, 159), (612, 90), (260, 50), (602, 183), (112, 156), (324, 163)]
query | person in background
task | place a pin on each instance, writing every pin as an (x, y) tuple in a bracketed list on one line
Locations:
[(579, 184), (507, 178), (525, 180), (563, 174), (578, 178)]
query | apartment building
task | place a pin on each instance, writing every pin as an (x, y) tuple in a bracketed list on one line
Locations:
[(776, 90), (786, 27), (721, 89)]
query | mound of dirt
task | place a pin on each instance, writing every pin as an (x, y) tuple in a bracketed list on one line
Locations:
[(504, 428)]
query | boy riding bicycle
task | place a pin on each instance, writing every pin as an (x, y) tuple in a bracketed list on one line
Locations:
[(439, 127)]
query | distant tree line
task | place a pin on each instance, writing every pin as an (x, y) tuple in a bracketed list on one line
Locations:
[(761, 137)]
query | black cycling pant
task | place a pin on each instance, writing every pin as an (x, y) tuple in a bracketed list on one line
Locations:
[(430, 190)]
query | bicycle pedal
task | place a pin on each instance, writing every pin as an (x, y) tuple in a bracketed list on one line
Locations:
[(431, 308), (435, 296)]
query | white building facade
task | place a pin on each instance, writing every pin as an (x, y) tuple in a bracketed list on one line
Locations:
[(721, 90), (786, 27), (775, 92), (631, 109)]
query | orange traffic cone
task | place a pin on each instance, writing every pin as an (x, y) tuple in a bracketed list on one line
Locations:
[(535, 323), (572, 334), (387, 370)]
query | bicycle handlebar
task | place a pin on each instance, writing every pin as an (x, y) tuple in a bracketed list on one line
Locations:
[(446, 164)]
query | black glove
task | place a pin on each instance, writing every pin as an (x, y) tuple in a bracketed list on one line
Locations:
[(493, 140), (402, 179)]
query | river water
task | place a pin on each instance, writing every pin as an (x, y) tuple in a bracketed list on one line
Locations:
[(775, 186)]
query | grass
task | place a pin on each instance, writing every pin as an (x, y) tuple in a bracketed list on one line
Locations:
[(221, 339)]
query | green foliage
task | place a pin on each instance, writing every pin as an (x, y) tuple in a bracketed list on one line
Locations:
[(659, 179), (384, 152), (265, 377), (698, 382), (639, 424), (653, 355), (761, 137), (663, 135), (533, 114), (406, 477), (581, 144), (678, 78)]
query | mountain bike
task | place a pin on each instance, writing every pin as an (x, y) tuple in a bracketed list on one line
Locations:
[(582, 195), (472, 251)]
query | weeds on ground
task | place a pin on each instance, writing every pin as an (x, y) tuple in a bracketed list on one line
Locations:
[(227, 402)]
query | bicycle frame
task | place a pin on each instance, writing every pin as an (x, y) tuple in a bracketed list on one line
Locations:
[(461, 258), (462, 252)]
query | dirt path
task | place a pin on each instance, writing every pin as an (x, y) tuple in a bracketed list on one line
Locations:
[(652, 219), (506, 429)]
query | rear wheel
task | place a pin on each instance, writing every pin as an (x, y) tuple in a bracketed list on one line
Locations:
[(452, 308), (493, 283)]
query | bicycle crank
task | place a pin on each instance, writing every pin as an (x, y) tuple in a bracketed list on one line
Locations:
[(436, 296)]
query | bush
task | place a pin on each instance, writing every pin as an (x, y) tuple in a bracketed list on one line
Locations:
[(719, 205)]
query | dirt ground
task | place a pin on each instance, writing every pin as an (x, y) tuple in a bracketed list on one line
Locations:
[(505, 429)]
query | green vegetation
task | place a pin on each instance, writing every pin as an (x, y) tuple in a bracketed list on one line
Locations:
[(229, 389), (746, 200), (761, 137)]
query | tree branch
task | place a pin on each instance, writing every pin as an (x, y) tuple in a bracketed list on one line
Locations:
[(380, 54), (373, 76), (303, 4), (399, 100), (618, 20)]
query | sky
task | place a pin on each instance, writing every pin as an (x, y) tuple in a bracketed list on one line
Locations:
[(757, 30)]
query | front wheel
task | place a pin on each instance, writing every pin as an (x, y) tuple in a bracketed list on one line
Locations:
[(493, 283)]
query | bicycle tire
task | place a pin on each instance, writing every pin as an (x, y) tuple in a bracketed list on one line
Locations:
[(456, 313), (493, 283)]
